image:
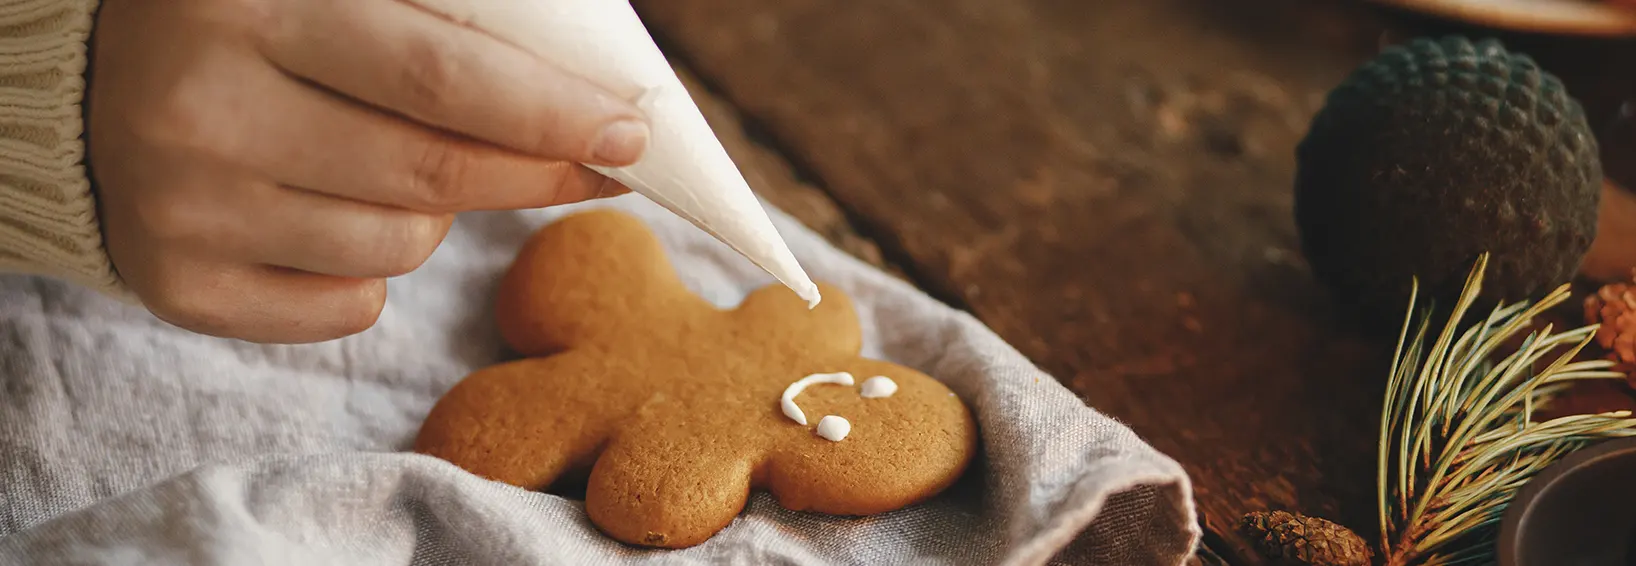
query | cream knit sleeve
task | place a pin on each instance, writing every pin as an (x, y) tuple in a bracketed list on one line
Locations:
[(48, 215)]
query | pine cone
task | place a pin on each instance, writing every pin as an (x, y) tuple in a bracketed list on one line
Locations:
[(1298, 540), (1614, 307)]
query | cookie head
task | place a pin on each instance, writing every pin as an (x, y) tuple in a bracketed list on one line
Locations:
[(676, 411)]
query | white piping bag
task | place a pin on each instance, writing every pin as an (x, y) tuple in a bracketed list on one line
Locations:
[(685, 168)]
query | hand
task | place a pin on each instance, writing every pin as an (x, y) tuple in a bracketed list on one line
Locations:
[(264, 165)]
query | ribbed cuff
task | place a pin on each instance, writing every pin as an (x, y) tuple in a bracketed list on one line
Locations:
[(48, 215)]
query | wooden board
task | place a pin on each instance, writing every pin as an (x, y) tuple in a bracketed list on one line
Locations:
[(1106, 184)]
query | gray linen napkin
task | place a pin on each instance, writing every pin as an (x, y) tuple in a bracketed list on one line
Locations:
[(125, 441)]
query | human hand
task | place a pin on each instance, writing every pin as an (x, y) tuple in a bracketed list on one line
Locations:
[(264, 165)]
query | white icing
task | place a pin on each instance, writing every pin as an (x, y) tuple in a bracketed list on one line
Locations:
[(787, 403), (685, 168), (877, 387), (833, 428)]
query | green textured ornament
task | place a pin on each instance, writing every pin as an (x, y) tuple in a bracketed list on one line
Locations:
[(1437, 151)]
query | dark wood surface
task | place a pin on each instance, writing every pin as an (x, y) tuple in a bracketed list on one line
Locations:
[(1107, 185)]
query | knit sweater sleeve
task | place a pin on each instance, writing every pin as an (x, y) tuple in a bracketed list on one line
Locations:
[(48, 214)]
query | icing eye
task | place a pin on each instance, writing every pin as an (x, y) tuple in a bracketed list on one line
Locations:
[(877, 387), (834, 428)]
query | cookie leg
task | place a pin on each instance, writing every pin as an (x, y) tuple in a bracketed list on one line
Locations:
[(523, 423), (661, 486)]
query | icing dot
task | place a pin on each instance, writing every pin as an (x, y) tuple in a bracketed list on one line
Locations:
[(833, 428), (787, 402), (878, 386)]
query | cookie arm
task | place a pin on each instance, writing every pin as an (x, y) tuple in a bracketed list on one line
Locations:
[(525, 423)]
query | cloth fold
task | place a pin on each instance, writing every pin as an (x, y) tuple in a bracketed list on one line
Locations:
[(126, 441)]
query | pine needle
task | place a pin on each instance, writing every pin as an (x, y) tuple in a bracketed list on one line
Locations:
[(1458, 436)]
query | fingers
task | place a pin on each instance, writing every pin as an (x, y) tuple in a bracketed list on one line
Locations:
[(314, 139), (416, 64), (223, 214), (311, 232), (287, 307), (259, 262)]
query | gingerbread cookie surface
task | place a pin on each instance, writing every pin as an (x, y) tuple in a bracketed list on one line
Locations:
[(677, 409)]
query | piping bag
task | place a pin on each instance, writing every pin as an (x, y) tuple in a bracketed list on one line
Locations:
[(685, 168)]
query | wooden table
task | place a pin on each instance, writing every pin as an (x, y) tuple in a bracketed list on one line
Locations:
[(1107, 185)]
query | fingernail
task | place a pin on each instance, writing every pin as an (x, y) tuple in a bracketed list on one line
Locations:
[(620, 143)]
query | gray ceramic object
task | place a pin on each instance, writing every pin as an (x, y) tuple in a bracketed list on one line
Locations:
[(1580, 511)]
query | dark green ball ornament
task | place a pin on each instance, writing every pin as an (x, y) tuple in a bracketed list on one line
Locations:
[(1435, 152)]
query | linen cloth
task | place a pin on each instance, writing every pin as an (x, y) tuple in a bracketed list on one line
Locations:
[(126, 441)]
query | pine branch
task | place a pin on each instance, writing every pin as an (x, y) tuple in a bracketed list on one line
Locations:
[(1458, 436)]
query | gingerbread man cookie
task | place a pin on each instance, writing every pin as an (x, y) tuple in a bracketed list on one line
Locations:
[(675, 409)]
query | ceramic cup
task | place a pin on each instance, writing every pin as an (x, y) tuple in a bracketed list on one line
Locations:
[(1580, 511)]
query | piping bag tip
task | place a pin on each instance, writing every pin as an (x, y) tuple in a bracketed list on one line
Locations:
[(810, 294)]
